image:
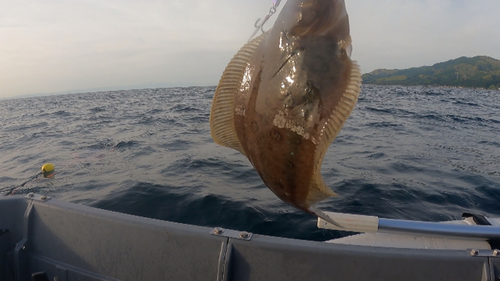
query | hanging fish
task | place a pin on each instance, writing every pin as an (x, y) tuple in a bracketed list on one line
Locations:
[(286, 94)]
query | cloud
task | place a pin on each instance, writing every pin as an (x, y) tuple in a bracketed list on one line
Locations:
[(60, 45), (402, 34)]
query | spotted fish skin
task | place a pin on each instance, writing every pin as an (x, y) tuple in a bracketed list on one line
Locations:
[(285, 95)]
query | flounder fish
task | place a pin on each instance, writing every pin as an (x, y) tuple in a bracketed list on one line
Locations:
[(284, 97)]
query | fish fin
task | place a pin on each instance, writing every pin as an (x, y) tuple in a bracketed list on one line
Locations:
[(319, 190), (324, 216), (341, 112), (222, 113)]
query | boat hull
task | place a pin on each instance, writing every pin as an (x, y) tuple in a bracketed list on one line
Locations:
[(68, 241)]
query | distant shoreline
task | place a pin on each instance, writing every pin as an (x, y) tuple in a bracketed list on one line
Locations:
[(480, 72), (430, 86)]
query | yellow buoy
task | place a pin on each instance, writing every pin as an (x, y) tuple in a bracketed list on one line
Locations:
[(47, 169)]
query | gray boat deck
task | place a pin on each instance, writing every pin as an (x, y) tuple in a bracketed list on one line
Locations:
[(74, 242)]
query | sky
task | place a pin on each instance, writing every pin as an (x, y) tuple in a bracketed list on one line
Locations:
[(68, 46)]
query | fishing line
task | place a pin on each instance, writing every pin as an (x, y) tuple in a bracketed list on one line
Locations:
[(47, 172), (13, 189)]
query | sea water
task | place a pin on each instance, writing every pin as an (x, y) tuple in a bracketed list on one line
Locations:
[(417, 153)]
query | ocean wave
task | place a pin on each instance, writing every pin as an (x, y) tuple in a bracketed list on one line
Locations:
[(406, 152)]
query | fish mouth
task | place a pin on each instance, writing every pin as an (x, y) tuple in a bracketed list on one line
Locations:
[(319, 17)]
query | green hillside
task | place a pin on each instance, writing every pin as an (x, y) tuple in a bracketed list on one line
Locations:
[(476, 72)]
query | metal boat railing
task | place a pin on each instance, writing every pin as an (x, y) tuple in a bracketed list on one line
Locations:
[(373, 224)]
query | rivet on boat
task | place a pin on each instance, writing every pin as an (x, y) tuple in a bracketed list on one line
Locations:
[(474, 252), (218, 230), (496, 253), (244, 235)]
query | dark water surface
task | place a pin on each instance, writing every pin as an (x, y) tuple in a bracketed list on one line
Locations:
[(406, 152)]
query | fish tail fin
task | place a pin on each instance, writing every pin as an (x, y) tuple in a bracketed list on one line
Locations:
[(324, 216), (318, 191)]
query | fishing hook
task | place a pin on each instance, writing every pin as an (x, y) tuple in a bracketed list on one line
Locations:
[(259, 23)]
